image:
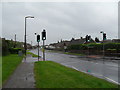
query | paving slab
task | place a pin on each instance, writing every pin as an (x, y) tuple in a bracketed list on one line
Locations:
[(23, 76)]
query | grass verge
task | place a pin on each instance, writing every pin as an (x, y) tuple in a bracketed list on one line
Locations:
[(9, 64), (66, 53), (49, 74), (33, 55), (74, 54)]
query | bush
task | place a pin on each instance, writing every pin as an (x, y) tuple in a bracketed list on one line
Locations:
[(95, 46), (112, 46), (77, 47), (14, 50), (5, 47)]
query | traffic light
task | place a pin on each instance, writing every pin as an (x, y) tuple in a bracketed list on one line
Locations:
[(89, 37), (44, 35), (38, 38), (104, 36)]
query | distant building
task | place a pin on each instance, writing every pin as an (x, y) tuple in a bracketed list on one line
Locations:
[(108, 41), (62, 44), (81, 41), (116, 40)]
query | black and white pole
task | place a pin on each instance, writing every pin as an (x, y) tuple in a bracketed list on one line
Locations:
[(43, 38), (38, 40)]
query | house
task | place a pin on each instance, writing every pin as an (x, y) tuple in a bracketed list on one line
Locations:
[(116, 40), (63, 44), (81, 41)]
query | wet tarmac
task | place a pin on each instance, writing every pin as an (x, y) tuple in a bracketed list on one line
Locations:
[(23, 77), (102, 68)]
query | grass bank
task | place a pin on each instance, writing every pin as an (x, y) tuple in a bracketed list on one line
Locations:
[(49, 74), (74, 54), (33, 55), (0, 71), (9, 64), (54, 51)]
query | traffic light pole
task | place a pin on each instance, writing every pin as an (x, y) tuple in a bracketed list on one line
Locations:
[(43, 50), (38, 51)]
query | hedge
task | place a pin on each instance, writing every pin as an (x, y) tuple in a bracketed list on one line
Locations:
[(95, 46)]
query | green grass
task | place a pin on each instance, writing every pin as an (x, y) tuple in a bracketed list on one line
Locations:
[(9, 64), (74, 54), (49, 74), (66, 53), (0, 71), (33, 55)]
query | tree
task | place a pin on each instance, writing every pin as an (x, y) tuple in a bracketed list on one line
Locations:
[(97, 40)]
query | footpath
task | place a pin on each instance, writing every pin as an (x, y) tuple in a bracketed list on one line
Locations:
[(23, 76)]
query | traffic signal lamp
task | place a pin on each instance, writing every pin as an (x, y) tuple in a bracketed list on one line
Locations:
[(87, 38), (104, 36), (44, 35), (38, 38)]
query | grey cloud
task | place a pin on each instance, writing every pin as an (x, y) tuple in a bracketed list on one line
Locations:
[(61, 20)]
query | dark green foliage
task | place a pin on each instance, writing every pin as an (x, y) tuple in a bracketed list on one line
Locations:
[(8, 47), (95, 46), (112, 46), (14, 50), (77, 47), (5, 47)]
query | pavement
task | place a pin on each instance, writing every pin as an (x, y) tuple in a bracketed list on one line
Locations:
[(23, 76)]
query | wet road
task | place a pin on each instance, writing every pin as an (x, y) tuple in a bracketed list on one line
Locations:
[(107, 70)]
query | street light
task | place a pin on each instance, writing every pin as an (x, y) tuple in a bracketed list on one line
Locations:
[(103, 42), (25, 46), (103, 54)]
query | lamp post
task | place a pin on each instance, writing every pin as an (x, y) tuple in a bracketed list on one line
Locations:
[(104, 38), (103, 54), (25, 46)]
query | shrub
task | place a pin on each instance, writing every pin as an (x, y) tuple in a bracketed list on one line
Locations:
[(95, 46), (14, 50)]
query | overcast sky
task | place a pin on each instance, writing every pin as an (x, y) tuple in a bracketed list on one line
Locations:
[(61, 20)]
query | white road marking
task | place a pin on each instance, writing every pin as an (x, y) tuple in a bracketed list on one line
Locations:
[(112, 80), (94, 74)]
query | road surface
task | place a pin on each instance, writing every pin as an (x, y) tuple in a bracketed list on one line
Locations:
[(95, 66)]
